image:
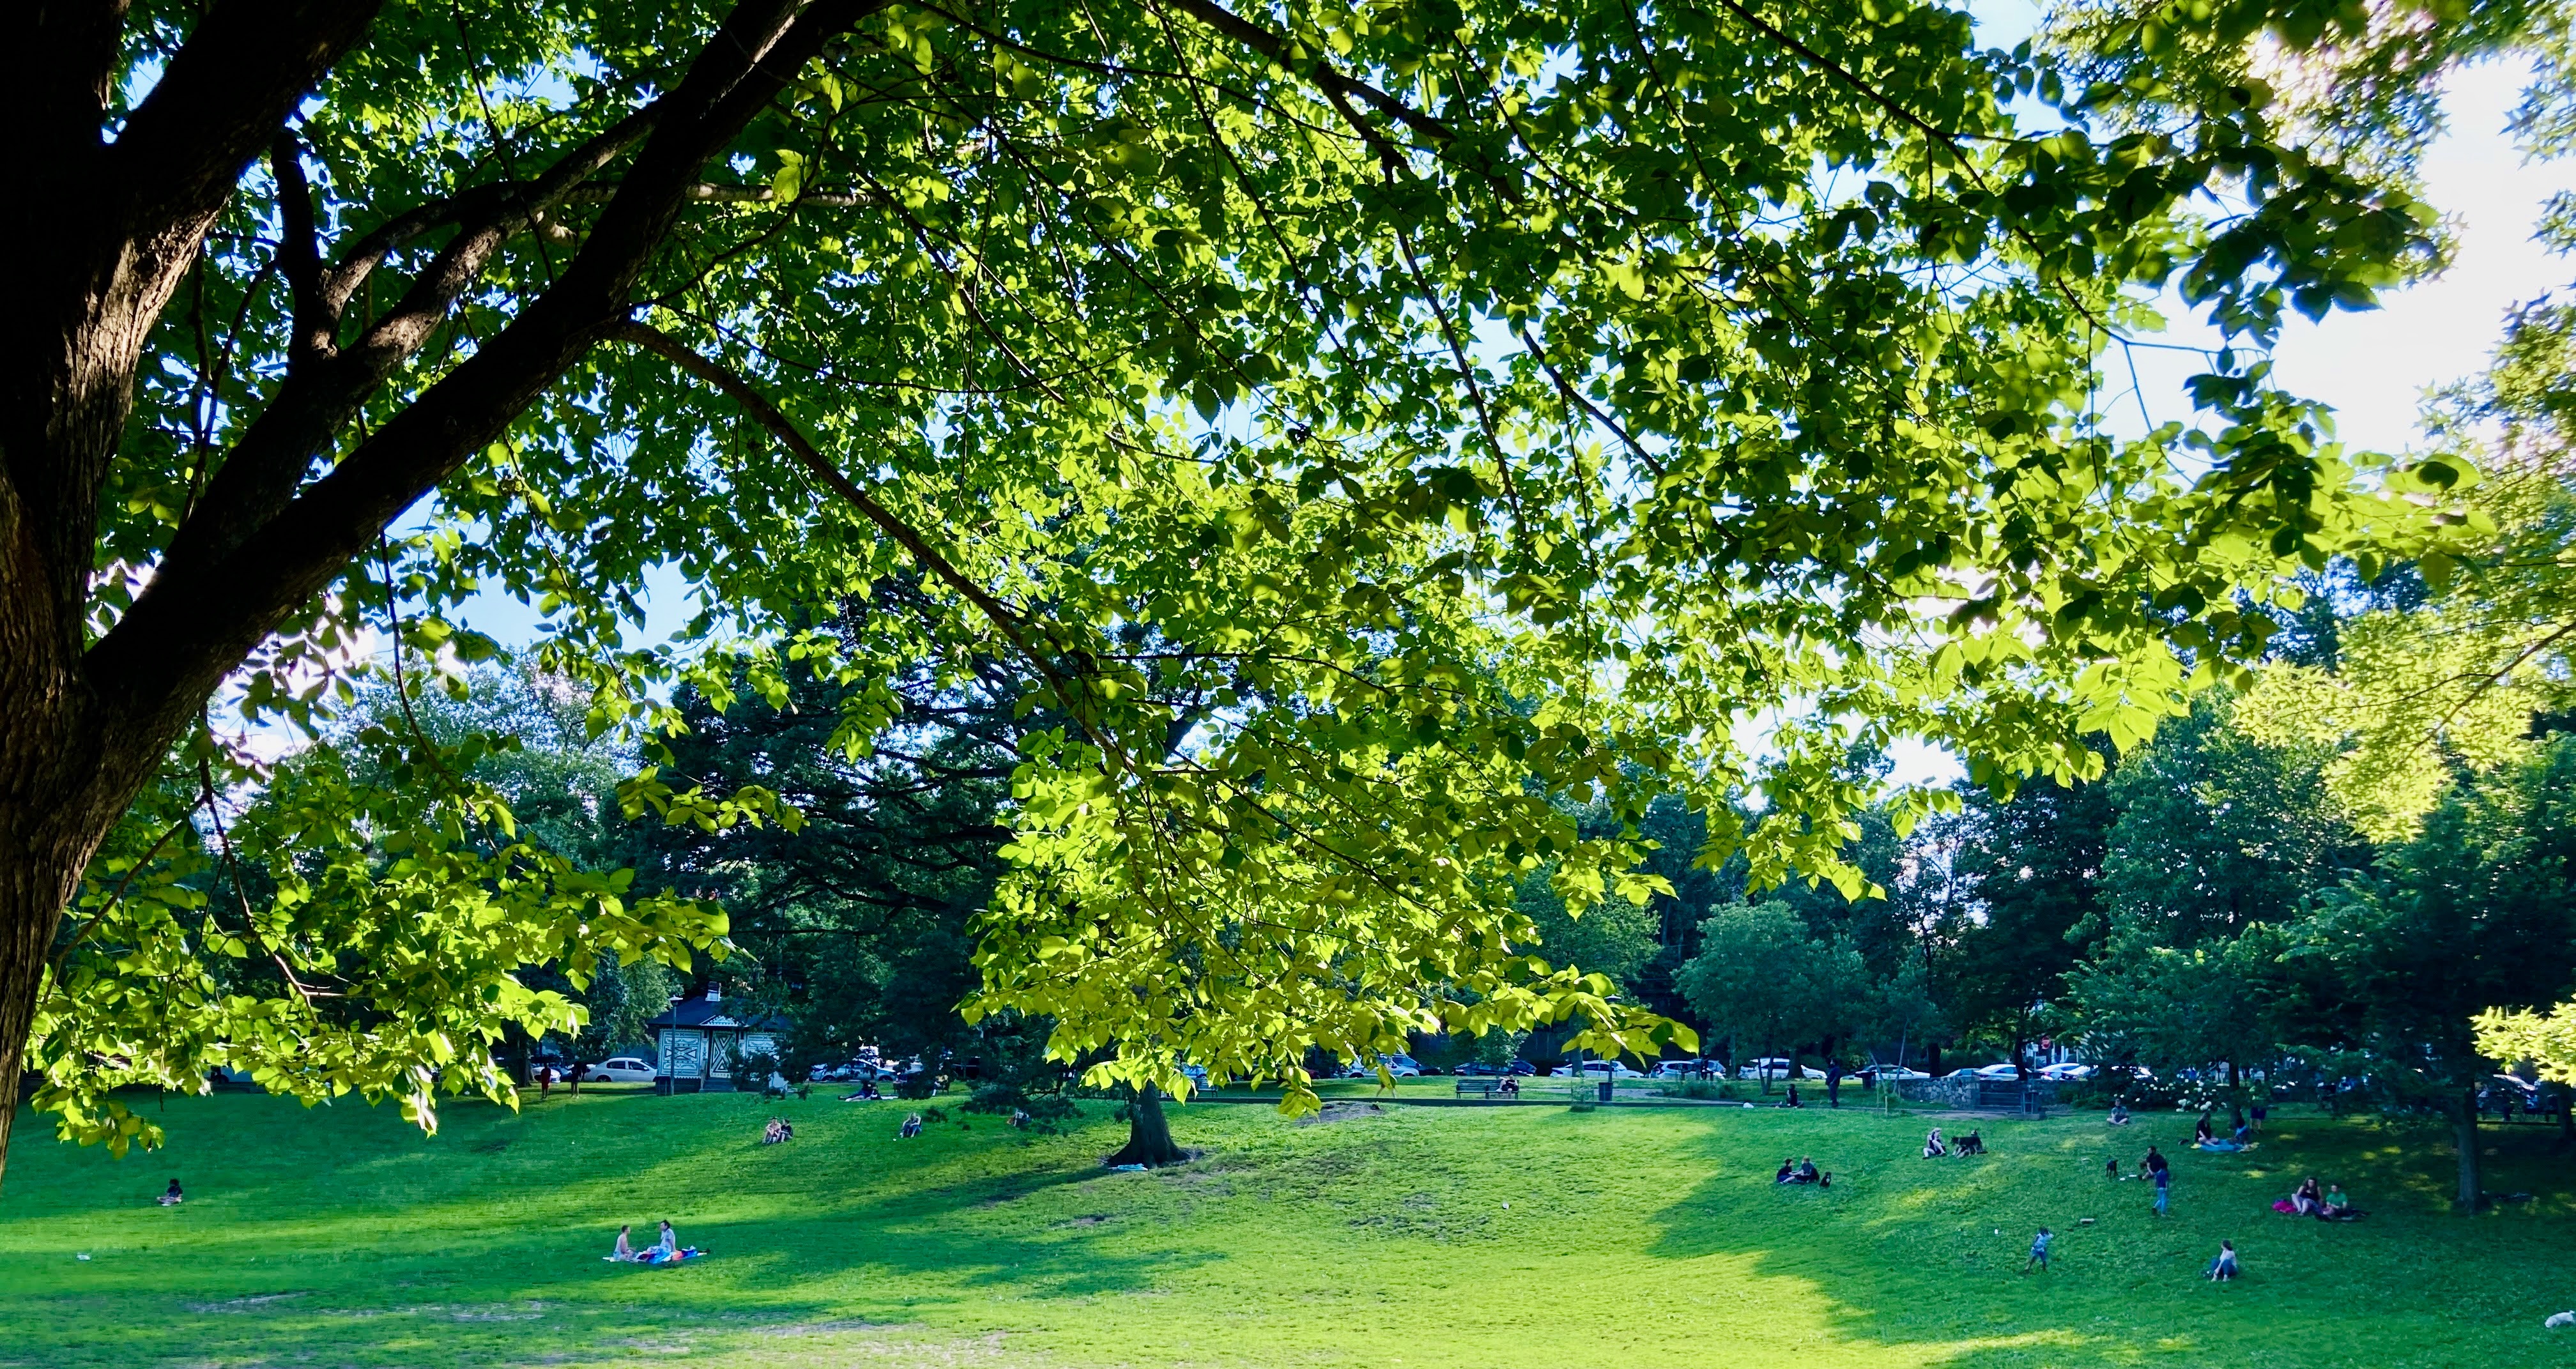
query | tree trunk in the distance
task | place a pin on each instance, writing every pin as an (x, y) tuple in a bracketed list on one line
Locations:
[(2464, 1126), (1149, 1135)]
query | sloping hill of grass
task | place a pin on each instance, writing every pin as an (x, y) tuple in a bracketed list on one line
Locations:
[(1521, 1237)]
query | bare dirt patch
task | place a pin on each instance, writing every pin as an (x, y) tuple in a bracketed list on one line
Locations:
[(1341, 1112)]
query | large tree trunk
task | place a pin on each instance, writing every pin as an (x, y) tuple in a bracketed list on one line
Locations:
[(2464, 1127), (1149, 1135), (44, 847), (103, 227)]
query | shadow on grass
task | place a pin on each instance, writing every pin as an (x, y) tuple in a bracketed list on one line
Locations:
[(483, 1245)]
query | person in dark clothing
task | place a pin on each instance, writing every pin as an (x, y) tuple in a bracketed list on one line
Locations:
[(171, 1196), (1833, 1083), (1788, 1172)]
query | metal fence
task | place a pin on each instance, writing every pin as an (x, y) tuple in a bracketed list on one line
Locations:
[(1981, 1095)]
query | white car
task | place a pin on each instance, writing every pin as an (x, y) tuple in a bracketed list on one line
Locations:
[(2068, 1072), (1596, 1069), (1772, 1067), (1686, 1069), (624, 1069), (1397, 1066), (1999, 1072)]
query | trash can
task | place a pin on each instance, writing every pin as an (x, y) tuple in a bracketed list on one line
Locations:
[(1605, 1090)]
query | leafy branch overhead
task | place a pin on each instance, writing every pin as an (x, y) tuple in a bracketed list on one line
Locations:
[(1372, 430)]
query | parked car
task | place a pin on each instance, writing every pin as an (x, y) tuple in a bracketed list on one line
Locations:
[(1767, 1066), (1478, 1069), (2004, 1071), (1596, 1069), (622, 1069), (1400, 1066), (1687, 1069), (1871, 1074), (2066, 1072)]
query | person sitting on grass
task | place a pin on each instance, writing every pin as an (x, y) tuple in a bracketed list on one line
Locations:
[(2223, 1268), (1807, 1170), (624, 1253), (2038, 1251), (2307, 1201), (1511, 1086), (911, 1127), (1974, 1143), (1792, 1100), (668, 1245), (2120, 1113), (2201, 1131), (1788, 1172), (769, 1134), (171, 1196), (2338, 1208), (1933, 1147)]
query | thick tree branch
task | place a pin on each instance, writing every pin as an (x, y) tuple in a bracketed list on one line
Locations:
[(220, 101), (204, 611), (299, 258), (323, 394)]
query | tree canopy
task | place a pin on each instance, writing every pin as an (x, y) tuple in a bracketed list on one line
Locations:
[(1374, 434)]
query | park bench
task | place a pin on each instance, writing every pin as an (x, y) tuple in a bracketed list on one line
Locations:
[(1479, 1088)]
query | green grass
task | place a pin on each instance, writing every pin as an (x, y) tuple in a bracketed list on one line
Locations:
[(1517, 1237)]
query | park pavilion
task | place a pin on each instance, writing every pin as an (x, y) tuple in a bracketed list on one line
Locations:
[(700, 1039)]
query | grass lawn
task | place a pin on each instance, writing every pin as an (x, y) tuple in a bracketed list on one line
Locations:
[(1511, 1237)]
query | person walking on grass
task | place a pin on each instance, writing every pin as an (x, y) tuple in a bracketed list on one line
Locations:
[(2038, 1251), (2163, 1175)]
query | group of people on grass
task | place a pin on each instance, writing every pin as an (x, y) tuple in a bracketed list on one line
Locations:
[(778, 1129), (867, 1094), (1803, 1171), (2204, 1133), (667, 1250), (2328, 1206)]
